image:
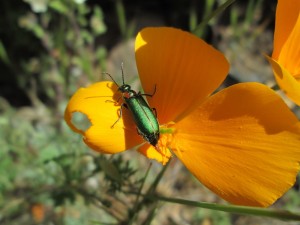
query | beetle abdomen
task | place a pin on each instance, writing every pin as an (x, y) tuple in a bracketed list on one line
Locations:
[(144, 118)]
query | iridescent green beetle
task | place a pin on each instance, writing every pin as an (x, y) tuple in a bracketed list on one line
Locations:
[(143, 116)]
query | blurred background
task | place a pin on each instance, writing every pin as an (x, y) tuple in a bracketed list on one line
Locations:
[(50, 48)]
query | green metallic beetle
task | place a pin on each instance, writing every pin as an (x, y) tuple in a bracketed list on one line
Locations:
[(143, 116)]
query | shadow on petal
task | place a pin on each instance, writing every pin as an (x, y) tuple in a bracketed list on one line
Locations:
[(254, 100), (243, 144), (101, 103), (287, 83)]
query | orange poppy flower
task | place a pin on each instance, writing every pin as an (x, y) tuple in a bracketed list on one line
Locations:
[(242, 142), (38, 212), (285, 59)]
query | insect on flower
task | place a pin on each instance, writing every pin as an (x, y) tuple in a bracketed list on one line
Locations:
[(241, 142), (143, 116)]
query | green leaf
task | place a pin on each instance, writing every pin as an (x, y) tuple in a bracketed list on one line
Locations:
[(59, 6), (97, 23), (3, 54), (38, 6), (110, 170)]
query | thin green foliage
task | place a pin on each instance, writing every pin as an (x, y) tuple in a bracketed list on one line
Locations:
[(199, 30), (254, 211), (42, 162)]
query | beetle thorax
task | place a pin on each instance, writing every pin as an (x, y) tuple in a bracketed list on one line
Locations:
[(125, 88), (127, 91)]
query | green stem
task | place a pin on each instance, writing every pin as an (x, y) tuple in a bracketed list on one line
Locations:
[(145, 201), (120, 10), (254, 211), (198, 30)]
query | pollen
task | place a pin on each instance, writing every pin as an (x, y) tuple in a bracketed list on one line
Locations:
[(165, 141)]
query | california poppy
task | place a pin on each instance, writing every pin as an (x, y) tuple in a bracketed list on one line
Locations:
[(242, 142), (285, 59)]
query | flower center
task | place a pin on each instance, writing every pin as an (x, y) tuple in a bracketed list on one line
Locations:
[(165, 140)]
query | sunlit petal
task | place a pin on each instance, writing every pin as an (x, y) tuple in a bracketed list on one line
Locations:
[(98, 103), (162, 156), (287, 13), (289, 56), (288, 83), (242, 143), (183, 67)]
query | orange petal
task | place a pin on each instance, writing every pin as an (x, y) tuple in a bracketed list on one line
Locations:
[(289, 56), (243, 144), (286, 81), (150, 152), (95, 103), (183, 67), (287, 13)]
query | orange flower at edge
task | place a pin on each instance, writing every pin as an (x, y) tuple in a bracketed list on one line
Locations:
[(242, 143), (38, 212), (285, 59)]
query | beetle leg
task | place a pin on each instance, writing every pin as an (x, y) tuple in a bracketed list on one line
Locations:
[(150, 95), (114, 101), (120, 116), (155, 112)]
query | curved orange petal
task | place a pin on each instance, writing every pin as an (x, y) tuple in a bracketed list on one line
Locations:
[(183, 67), (161, 156), (287, 13), (95, 103), (289, 56), (243, 144), (286, 81)]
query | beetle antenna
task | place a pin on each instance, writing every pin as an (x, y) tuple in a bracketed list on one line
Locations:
[(122, 69), (111, 78)]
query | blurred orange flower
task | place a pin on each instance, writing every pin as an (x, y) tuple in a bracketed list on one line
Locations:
[(285, 59), (242, 142), (38, 212)]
